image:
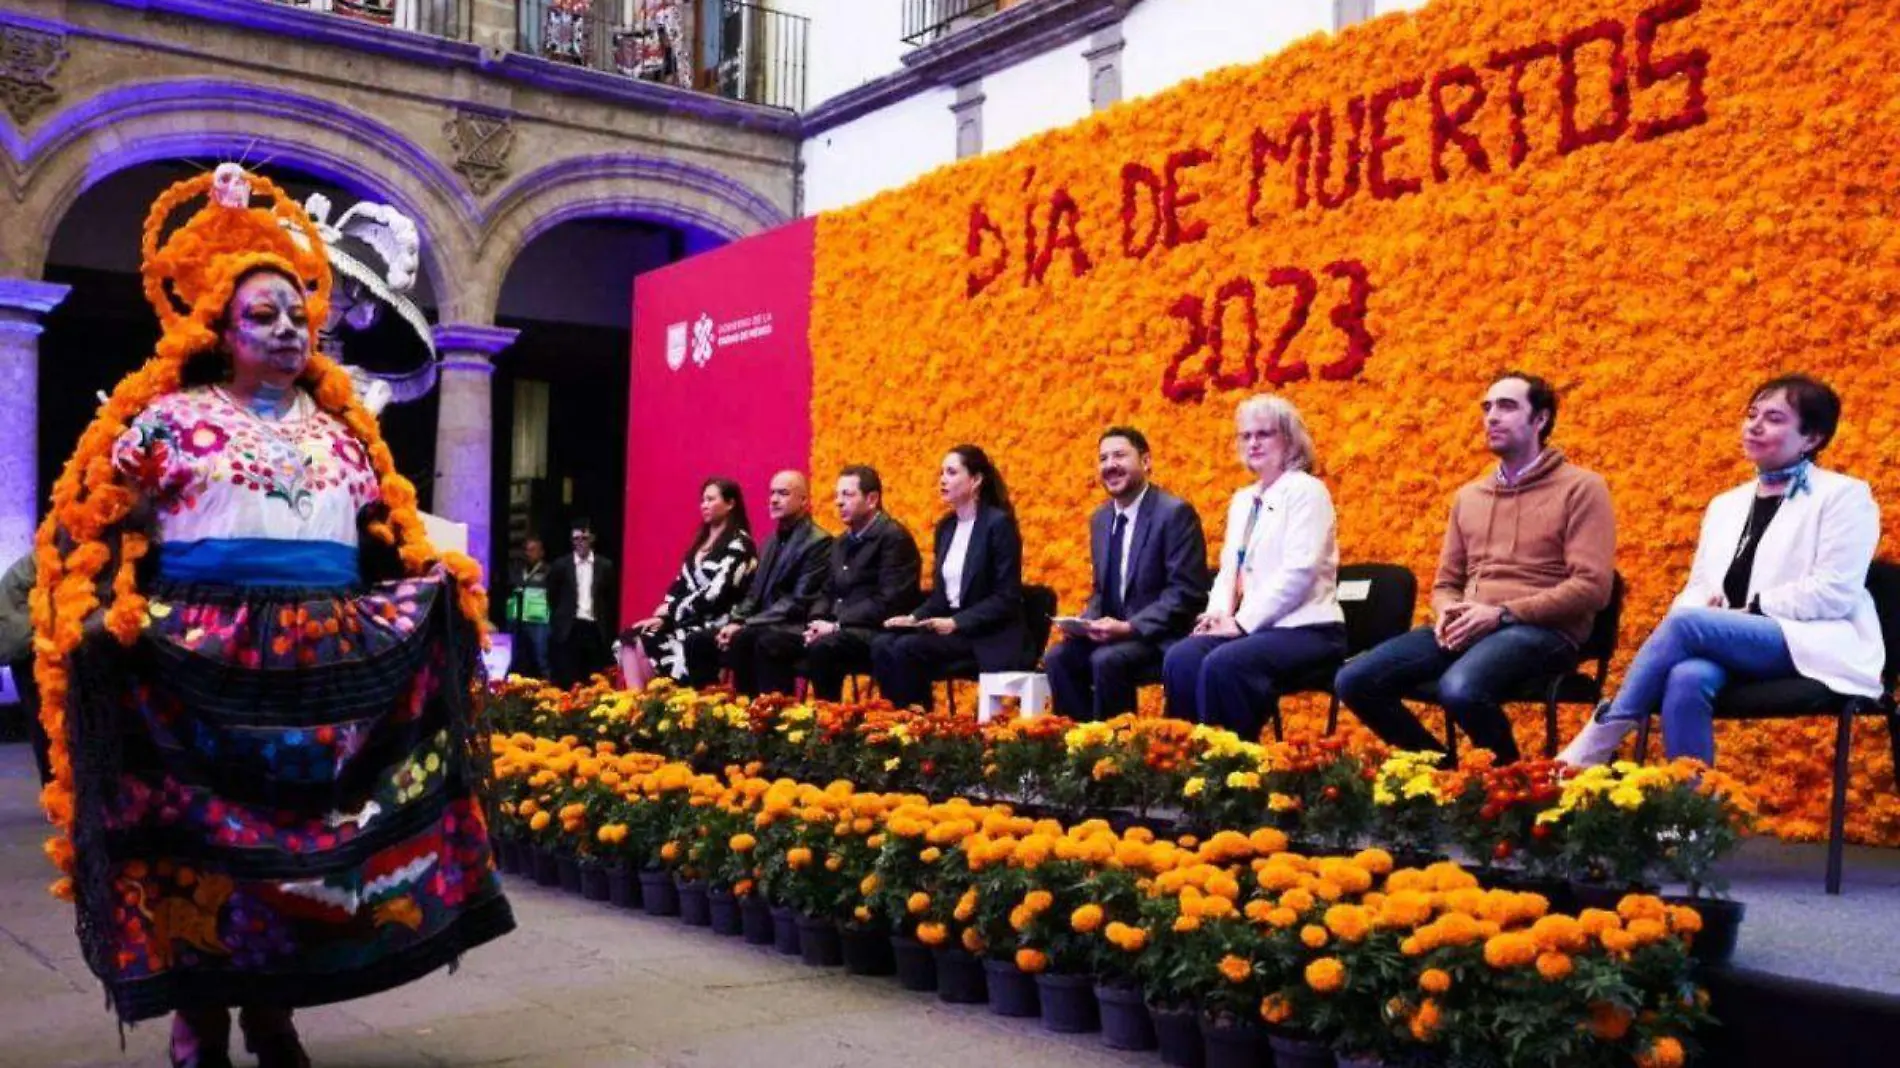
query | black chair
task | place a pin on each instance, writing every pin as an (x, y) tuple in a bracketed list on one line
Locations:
[(1571, 686), (1384, 613), (1039, 613), (1799, 697)]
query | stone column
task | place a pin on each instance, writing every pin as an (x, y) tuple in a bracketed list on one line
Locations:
[(464, 429), (23, 303)]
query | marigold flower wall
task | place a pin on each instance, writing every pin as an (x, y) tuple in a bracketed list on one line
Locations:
[(1653, 249)]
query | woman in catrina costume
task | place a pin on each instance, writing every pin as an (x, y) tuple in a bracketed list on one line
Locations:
[(256, 670)]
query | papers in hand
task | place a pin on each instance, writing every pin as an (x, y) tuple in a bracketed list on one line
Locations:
[(1073, 626)]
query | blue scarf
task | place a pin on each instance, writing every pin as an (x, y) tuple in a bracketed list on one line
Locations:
[(1794, 476)]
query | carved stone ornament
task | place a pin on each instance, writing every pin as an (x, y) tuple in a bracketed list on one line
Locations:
[(482, 142), (29, 61)]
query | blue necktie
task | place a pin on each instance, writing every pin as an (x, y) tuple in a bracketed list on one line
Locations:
[(1112, 595)]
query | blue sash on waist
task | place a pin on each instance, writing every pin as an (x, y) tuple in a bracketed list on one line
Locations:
[(259, 562)]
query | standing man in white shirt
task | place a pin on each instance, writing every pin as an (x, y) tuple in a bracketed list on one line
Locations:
[(1149, 559), (581, 598)]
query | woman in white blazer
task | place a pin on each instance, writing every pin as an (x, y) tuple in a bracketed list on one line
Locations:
[(1274, 611), (1778, 588)]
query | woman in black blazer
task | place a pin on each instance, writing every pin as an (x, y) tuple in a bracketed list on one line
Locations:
[(973, 617)]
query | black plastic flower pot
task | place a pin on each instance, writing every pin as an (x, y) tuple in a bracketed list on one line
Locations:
[(508, 857), (547, 867), (570, 874), (755, 918), (867, 951), (695, 909), (594, 883), (819, 944), (1178, 1036), (1229, 1044), (724, 909), (1068, 1003), (916, 964), (623, 887), (785, 930), (1012, 990), (960, 978), (658, 895), (1721, 928), (1298, 1051), (1125, 1020)]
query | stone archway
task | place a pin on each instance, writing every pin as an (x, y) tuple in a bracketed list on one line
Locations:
[(665, 191), (182, 118)]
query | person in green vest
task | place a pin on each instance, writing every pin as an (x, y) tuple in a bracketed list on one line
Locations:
[(528, 610)]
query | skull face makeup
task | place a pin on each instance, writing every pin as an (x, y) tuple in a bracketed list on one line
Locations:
[(267, 333)]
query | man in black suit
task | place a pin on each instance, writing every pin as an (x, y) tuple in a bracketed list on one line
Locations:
[(582, 598), (1150, 565), (874, 575), (785, 589)]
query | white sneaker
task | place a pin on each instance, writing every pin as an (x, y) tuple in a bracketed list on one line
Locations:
[(1598, 741)]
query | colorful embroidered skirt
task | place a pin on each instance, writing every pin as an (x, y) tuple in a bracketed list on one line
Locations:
[(277, 797)]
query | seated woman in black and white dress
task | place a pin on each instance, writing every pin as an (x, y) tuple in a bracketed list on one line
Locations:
[(677, 640)]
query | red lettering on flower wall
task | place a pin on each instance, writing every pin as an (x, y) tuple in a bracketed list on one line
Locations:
[(1061, 234), (1651, 72), (1323, 156), (1173, 386), (1299, 132), (1448, 126), (1173, 199), (1570, 137), (981, 226), (1241, 290), (1383, 186), (1136, 176), (1516, 60)]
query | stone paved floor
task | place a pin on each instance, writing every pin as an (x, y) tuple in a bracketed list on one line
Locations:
[(578, 984)]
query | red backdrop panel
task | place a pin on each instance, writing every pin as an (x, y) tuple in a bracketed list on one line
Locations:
[(721, 386)]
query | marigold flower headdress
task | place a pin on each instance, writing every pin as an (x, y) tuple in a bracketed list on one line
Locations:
[(190, 276)]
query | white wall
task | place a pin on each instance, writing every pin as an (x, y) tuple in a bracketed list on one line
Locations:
[(1170, 41), (848, 43), (1166, 43), (1044, 93), (879, 151)]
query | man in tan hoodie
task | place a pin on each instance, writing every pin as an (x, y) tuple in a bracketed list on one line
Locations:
[(1528, 562)]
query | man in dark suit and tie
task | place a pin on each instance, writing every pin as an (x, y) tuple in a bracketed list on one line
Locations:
[(1150, 563), (582, 604), (875, 569), (785, 589)]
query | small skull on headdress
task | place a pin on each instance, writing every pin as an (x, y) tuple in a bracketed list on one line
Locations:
[(230, 186)]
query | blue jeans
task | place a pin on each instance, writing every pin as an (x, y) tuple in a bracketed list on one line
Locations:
[(1472, 684), (531, 650), (1236, 682), (1686, 661)]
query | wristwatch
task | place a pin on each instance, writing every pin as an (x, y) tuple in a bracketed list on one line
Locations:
[(1506, 618)]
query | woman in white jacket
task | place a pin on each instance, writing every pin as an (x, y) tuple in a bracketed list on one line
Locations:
[(1274, 611), (1778, 588)]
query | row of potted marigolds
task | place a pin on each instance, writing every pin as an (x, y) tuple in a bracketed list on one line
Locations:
[(1215, 949)]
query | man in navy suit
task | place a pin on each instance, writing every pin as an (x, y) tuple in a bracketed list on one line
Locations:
[(1150, 562)]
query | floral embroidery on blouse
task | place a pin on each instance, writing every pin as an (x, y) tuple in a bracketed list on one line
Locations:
[(216, 471)]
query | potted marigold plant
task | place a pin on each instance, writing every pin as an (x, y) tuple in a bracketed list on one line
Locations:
[(1546, 989), (1109, 919), (1007, 902), (1321, 791), (1411, 808), (1225, 785), (1628, 828), (1025, 760), (1060, 938), (1495, 814)]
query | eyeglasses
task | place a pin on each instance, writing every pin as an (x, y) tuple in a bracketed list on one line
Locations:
[(1247, 436)]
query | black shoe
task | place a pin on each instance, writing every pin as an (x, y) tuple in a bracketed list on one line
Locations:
[(279, 1051)]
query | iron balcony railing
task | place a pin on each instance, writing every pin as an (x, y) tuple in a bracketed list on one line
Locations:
[(453, 19), (749, 52), (930, 20)]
